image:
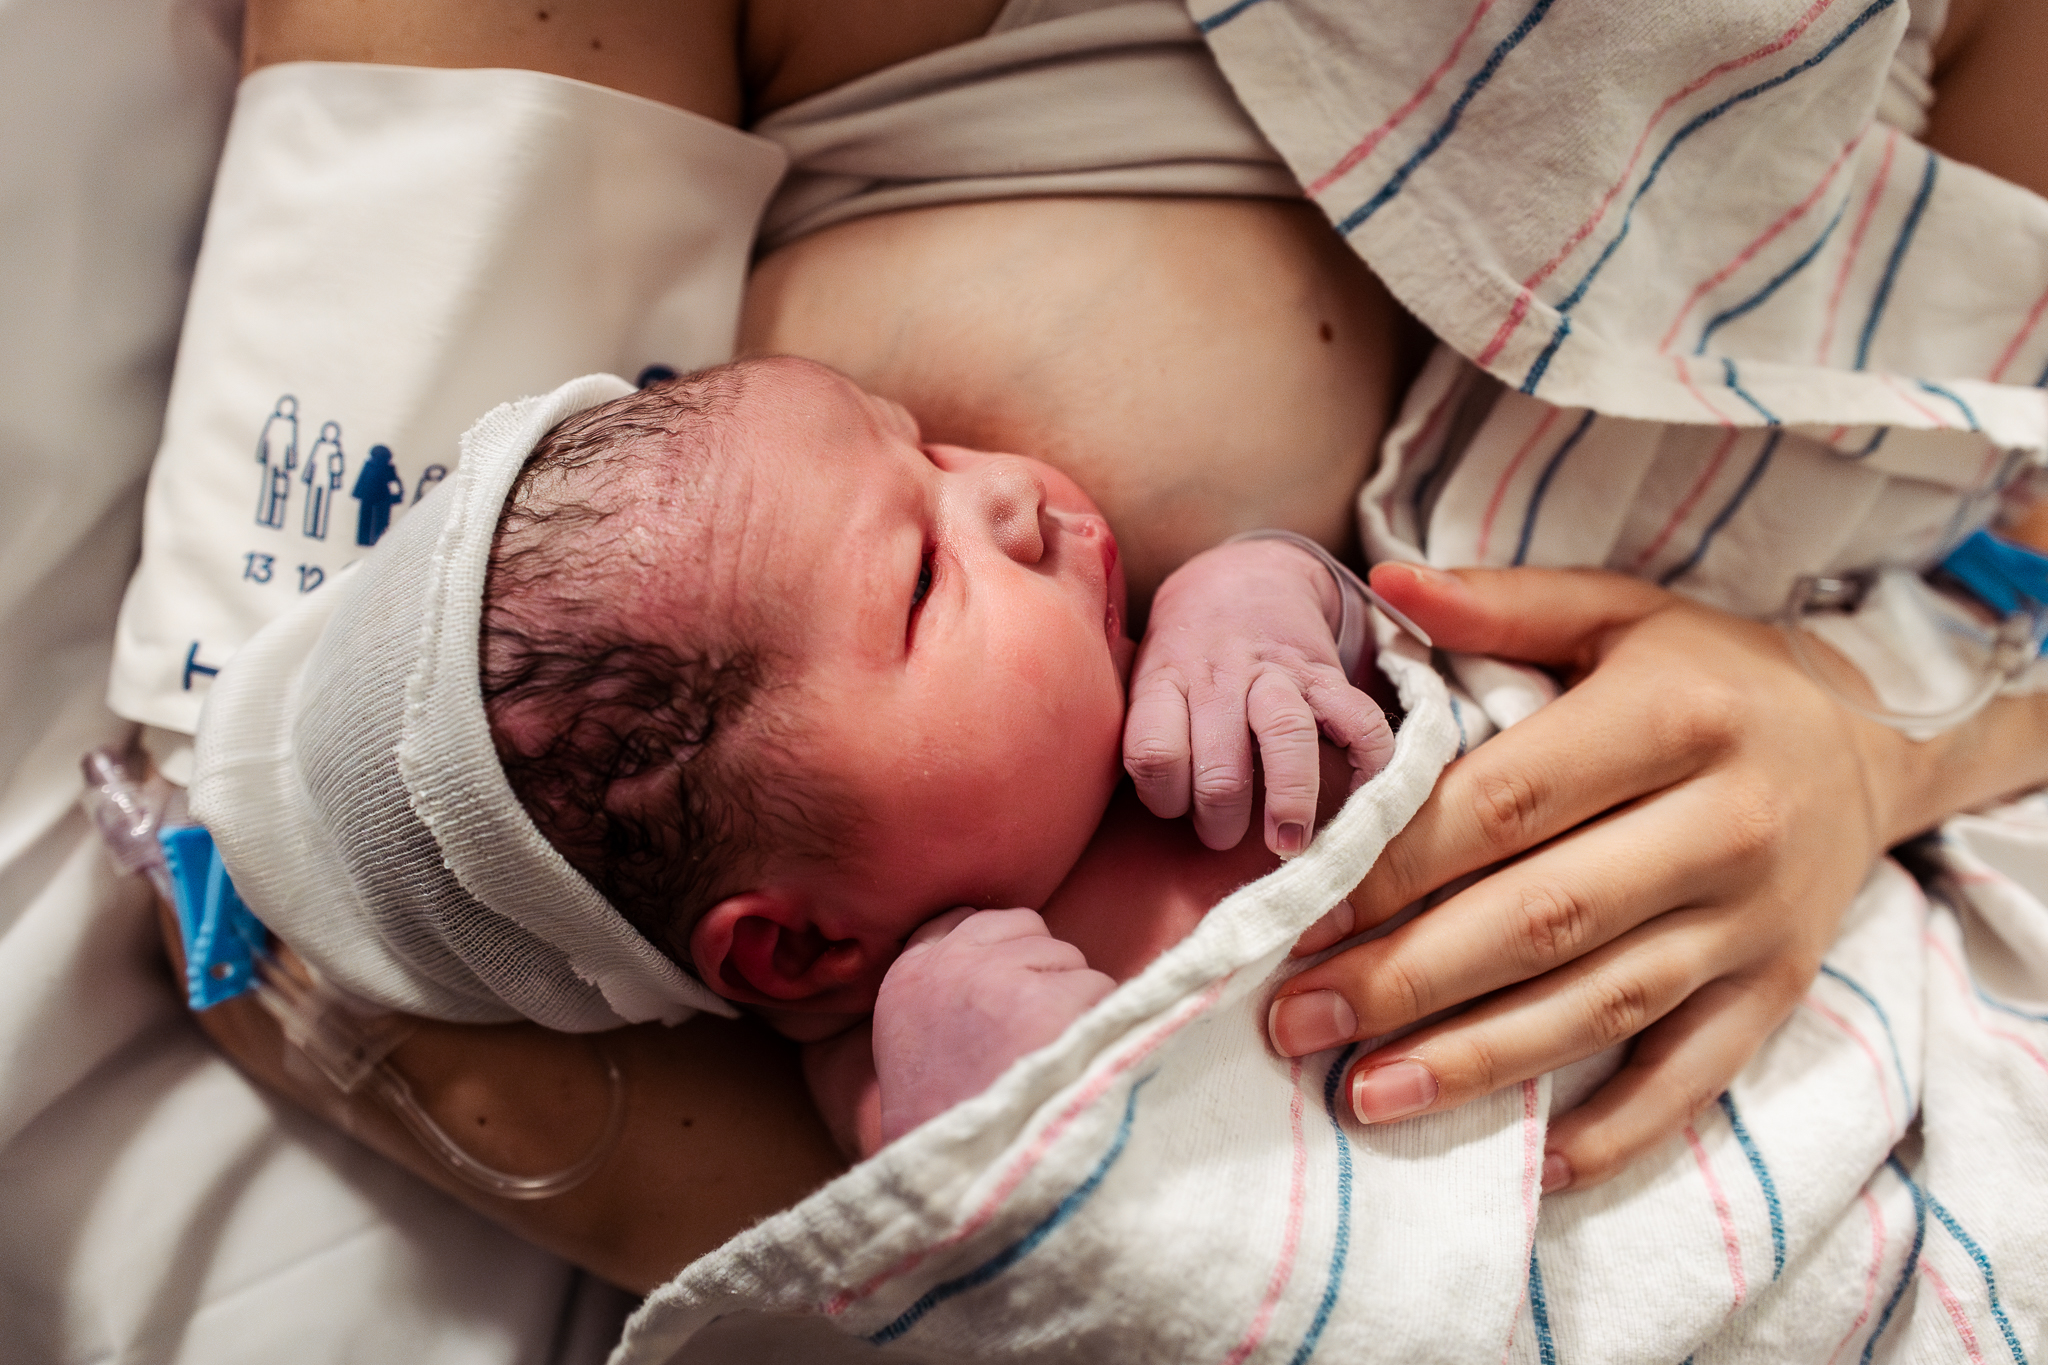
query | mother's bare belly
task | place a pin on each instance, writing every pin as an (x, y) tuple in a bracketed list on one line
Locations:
[(1201, 366)]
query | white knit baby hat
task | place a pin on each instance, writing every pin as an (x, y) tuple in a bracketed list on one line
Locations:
[(346, 773)]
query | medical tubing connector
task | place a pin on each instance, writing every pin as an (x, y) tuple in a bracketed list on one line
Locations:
[(2009, 581), (227, 954), (352, 1050)]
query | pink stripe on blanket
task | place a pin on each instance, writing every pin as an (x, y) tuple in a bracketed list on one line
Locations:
[(1689, 501), (1884, 171), (1976, 1011), (1526, 296), (1883, 1084), (1290, 1239), (1954, 1308), (1500, 490), (1915, 404), (1394, 120), (1877, 1241), (1532, 1187), (1027, 1161), (1678, 362), (1748, 253), (1724, 1214)]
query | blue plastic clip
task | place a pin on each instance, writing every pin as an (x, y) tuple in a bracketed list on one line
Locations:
[(2003, 575), (221, 937)]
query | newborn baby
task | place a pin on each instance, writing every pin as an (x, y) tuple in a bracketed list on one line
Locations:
[(829, 714)]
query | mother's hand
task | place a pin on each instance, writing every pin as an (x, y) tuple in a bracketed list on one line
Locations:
[(1683, 828)]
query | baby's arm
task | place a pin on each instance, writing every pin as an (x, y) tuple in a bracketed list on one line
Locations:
[(1243, 644)]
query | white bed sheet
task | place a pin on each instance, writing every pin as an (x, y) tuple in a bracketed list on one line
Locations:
[(153, 1205)]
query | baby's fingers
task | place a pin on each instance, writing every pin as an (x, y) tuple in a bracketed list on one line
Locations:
[(1156, 746), (1354, 722), (1222, 772), (1286, 728)]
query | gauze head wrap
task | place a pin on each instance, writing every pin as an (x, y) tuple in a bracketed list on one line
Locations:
[(346, 772)]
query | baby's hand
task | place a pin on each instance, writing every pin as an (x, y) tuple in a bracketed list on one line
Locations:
[(1240, 645), (973, 991)]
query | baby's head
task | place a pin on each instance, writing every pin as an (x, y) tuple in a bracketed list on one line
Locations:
[(784, 682)]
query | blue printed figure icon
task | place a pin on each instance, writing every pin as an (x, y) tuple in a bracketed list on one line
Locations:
[(379, 488), (322, 479), (430, 476), (277, 454)]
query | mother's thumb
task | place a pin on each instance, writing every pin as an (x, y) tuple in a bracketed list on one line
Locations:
[(1545, 616)]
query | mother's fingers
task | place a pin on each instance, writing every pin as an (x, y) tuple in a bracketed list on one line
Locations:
[(1678, 1067), (1608, 741), (1534, 915), (1542, 616), (1599, 1000)]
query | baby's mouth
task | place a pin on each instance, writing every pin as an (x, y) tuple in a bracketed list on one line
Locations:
[(1092, 527)]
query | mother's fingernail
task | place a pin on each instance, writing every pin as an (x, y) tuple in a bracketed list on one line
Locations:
[(1310, 1022), (1386, 1093), (1557, 1173), (1421, 573), (1331, 928)]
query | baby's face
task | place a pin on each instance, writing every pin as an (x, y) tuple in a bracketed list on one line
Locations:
[(956, 622)]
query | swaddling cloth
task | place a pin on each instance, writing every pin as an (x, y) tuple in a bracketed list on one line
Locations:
[(1157, 1186), (389, 253)]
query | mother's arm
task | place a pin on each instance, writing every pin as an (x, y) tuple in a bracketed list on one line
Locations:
[(1684, 828), (719, 1128)]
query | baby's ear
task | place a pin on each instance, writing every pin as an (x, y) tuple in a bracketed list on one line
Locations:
[(765, 948)]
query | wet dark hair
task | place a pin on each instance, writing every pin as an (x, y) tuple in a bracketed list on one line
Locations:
[(657, 768)]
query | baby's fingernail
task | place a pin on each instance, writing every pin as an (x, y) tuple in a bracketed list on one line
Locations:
[(1310, 1022), (1557, 1173), (1331, 928), (1290, 839), (1386, 1093)]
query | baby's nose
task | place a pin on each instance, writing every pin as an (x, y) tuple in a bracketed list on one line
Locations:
[(1013, 498)]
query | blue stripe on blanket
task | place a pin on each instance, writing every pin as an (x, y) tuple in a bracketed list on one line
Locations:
[(1870, 446), (1697, 122), (1539, 1313), (1756, 300), (1969, 1244), (1749, 482), (2004, 1008), (1898, 1063), (1543, 486), (1443, 130), (1763, 1180), (1419, 499), (1735, 383), (1024, 1246), (1225, 15), (1340, 1250), (1961, 406), (1912, 1256), (1891, 266)]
